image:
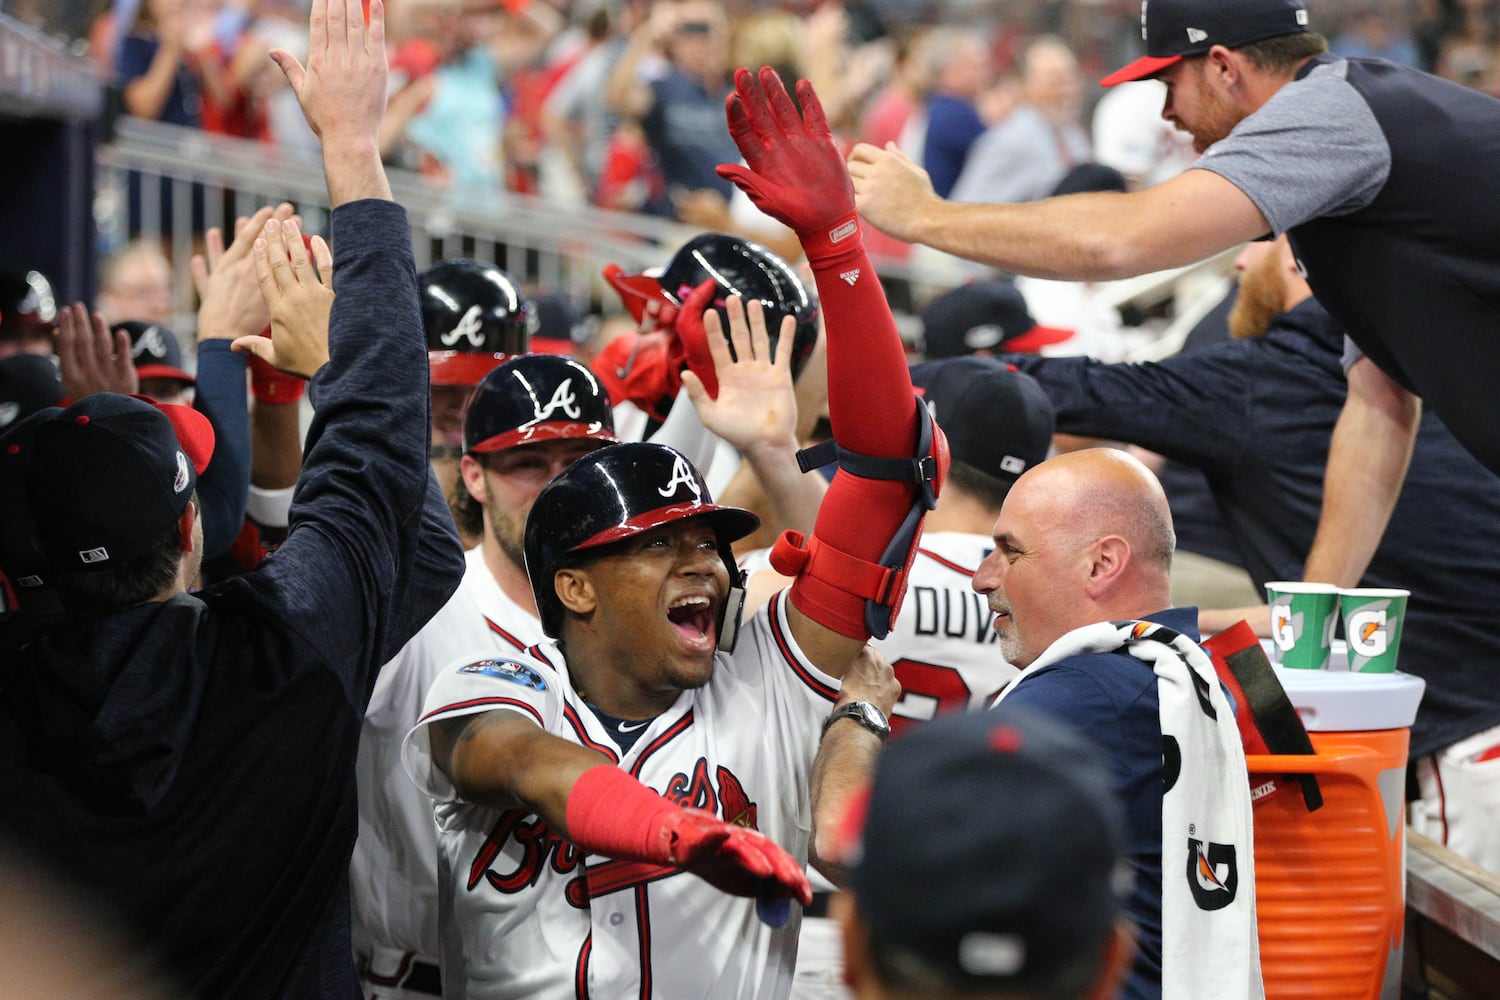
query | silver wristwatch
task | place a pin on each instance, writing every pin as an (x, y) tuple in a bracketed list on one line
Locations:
[(864, 713)]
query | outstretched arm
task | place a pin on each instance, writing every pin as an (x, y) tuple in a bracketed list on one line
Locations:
[(1082, 237), (1367, 461), (502, 759)]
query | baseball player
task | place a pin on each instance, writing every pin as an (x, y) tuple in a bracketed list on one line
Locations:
[(528, 419), (475, 317), (651, 737)]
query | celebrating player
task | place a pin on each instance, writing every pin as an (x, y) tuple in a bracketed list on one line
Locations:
[(527, 420), (653, 736)]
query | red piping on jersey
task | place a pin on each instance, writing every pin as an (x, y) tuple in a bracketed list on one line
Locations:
[(581, 970), (571, 714), (955, 567), (395, 978), (798, 668), (677, 728), (476, 702), (643, 922), (504, 634), (662, 741)]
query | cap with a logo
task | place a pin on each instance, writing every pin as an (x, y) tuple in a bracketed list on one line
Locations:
[(28, 382), (984, 316), (155, 351), (988, 850), (997, 419), (109, 476), (1173, 29)]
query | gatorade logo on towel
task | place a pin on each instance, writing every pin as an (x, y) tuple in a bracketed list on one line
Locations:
[(1213, 874)]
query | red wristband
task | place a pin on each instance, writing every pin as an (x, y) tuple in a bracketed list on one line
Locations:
[(843, 239), (267, 385), (613, 814)]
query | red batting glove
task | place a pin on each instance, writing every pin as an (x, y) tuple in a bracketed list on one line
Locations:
[(734, 858), (611, 813), (795, 173), (693, 338)]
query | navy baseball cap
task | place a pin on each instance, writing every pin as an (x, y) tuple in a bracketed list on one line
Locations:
[(110, 475), (155, 351), (1173, 29), (988, 851), (28, 383), (20, 560), (984, 316), (996, 419)]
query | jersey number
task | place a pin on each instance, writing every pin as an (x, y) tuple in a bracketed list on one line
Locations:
[(927, 690)]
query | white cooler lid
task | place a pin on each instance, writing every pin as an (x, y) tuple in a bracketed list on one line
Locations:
[(1337, 701)]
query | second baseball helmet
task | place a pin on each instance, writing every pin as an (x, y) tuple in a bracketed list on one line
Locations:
[(738, 267), (474, 316), (155, 351), (611, 495), (536, 397)]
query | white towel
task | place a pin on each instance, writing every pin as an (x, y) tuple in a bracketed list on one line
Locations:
[(1210, 944)]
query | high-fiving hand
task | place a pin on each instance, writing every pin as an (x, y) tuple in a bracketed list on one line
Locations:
[(794, 172), (298, 301)]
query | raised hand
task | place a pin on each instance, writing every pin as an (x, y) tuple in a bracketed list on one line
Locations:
[(752, 400), (299, 303), (231, 305), (794, 172), (342, 91), (890, 189), (89, 357)]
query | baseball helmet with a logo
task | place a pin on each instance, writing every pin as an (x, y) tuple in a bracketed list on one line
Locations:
[(474, 316), (534, 398), (737, 266), (614, 494)]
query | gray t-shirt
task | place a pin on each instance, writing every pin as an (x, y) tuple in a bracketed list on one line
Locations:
[(1313, 150)]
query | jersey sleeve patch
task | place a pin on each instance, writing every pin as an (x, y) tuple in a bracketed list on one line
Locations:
[(506, 670)]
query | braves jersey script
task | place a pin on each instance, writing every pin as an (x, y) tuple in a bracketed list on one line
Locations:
[(393, 873), (943, 647), (529, 915)]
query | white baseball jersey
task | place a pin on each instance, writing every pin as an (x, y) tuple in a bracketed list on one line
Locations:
[(944, 648), (528, 915), (393, 874)]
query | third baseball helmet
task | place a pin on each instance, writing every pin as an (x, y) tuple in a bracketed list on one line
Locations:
[(536, 397), (613, 494), (474, 316), (739, 267)]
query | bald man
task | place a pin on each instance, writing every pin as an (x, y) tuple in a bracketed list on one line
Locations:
[(1085, 538)]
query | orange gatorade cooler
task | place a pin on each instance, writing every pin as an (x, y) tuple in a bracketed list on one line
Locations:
[(1330, 883)]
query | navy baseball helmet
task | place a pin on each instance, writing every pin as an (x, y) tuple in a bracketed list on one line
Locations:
[(616, 493), (474, 316), (738, 267), (28, 306), (533, 398), (155, 351)]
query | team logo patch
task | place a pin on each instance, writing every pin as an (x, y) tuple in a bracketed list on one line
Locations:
[(563, 399), (506, 670), (8, 413), (1213, 874)]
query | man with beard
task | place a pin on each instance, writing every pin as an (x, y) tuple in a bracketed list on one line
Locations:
[(1359, 161), (528, 419), (1255, 414)]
